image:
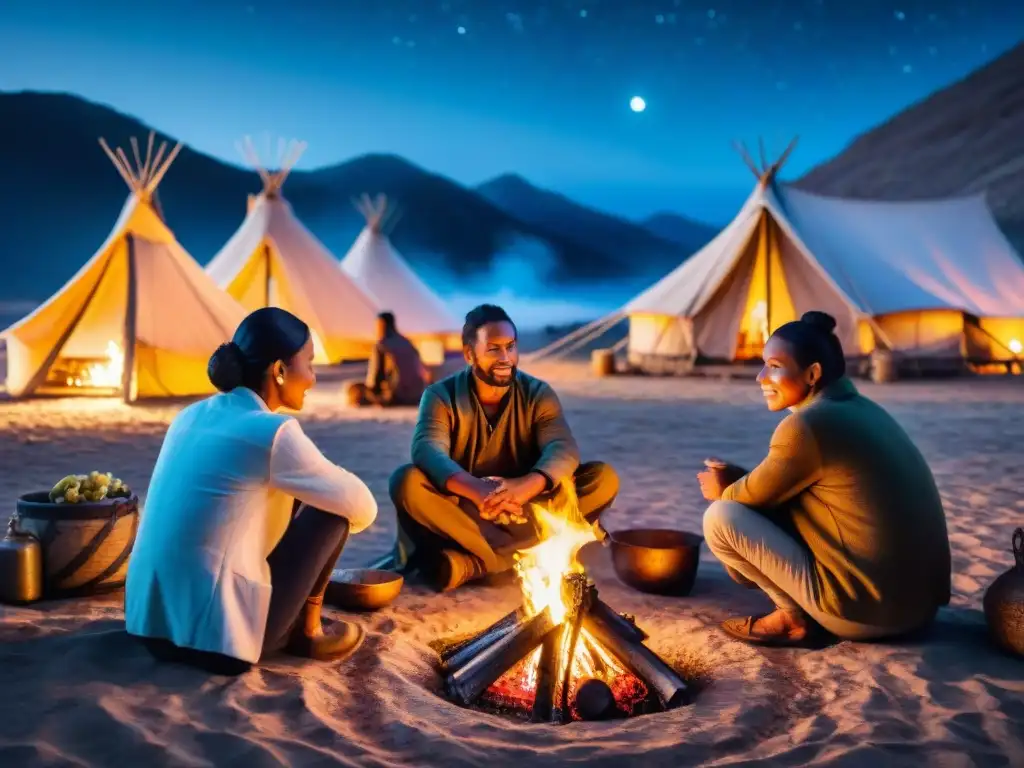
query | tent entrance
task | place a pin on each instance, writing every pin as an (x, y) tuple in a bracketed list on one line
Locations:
[(768, 304), (93, 355)]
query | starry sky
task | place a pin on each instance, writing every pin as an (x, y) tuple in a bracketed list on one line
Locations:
[(475, 88)]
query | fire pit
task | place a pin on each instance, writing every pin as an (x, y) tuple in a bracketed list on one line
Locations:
[(563, 655)]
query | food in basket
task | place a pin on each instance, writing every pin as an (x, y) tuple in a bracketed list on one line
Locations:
[(96, 486)]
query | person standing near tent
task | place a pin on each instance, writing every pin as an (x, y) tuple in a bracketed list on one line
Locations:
[(396, 374), (841, 525), (245, 518), (489, 442)]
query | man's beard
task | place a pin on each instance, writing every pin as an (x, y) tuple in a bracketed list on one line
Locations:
[(488, 378)]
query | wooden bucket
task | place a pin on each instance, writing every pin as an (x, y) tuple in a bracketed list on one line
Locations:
[(883, 367), (602, 362)]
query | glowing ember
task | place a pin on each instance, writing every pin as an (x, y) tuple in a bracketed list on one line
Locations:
[(104, 375)]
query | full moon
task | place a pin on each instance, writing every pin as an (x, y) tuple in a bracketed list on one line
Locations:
[(637, 104)]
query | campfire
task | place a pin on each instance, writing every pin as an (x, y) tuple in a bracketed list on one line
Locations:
[(101, 373), (563, 655)]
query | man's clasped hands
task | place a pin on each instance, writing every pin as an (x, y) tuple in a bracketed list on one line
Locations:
[(502, 499)]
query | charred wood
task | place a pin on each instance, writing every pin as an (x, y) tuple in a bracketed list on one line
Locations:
[(472, 679), (672, 691)]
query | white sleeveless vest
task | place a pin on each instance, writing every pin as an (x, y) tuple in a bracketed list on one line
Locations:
[(198, 574)]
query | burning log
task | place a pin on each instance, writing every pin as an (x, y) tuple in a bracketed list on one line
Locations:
[(640, 660), (623, 626), (460, 654), (472, 679), (576, 598), (547, 675)]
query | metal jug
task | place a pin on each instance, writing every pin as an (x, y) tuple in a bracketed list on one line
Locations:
[(21, 566)]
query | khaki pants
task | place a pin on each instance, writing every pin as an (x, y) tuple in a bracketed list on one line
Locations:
[(430, 520), (758, 551)]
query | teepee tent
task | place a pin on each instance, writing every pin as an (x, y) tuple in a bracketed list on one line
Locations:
[(374, 264), (273, 260), (140, 318), (931, 281)]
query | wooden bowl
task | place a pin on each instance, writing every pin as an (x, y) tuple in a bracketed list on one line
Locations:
[(363, 589), (660, 561)]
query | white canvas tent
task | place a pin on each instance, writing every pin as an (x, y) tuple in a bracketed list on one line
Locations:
[(926, 280), (140, 318), (274, 260), (373, 262)]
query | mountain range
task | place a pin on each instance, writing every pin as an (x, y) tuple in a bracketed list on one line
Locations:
[(63, 195), (963, 139)]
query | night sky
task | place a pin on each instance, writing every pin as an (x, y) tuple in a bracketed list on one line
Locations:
[(474, 88)]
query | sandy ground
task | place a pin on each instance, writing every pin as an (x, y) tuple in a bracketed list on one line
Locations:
[(76, 690)]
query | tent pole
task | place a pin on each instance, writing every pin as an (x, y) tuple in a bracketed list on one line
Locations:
[(768, 272), (267, 276), (130, 323)]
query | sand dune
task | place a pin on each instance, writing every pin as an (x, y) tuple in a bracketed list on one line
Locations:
[(78, 691)]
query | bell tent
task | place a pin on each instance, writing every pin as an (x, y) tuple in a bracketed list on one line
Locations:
[(274, 260), (933, 282), (380, 270), (141, 317)]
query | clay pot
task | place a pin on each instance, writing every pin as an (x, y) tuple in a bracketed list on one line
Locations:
[(1004, 603)]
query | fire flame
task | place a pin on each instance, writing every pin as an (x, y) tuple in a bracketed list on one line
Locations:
[(759, 321), (106, 374), (542, 567)]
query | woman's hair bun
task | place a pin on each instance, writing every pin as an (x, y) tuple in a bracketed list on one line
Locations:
[(226, 368), (820, 320)]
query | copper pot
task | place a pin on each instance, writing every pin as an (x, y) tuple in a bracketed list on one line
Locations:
[(656, 560), (363, 589), (1004, 603)]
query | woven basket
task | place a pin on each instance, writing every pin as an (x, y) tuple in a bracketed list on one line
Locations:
[(85, 546)]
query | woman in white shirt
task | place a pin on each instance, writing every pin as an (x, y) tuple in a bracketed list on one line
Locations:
[(245, 518)]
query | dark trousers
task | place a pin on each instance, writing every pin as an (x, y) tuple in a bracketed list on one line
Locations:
[(431, 520), (301, 561), (362, 395)]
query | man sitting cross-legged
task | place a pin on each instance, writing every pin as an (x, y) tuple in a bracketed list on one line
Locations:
[(490, 441)]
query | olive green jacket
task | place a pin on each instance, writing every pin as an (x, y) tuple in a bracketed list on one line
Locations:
[(864, 501)]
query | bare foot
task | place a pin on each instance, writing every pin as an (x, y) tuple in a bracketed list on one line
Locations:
[(781, 622)]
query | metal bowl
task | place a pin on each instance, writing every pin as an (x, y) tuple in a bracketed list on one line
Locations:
[(363, 589), (656, 560)]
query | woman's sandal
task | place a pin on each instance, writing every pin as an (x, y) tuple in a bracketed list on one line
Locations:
[(742, 629)]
